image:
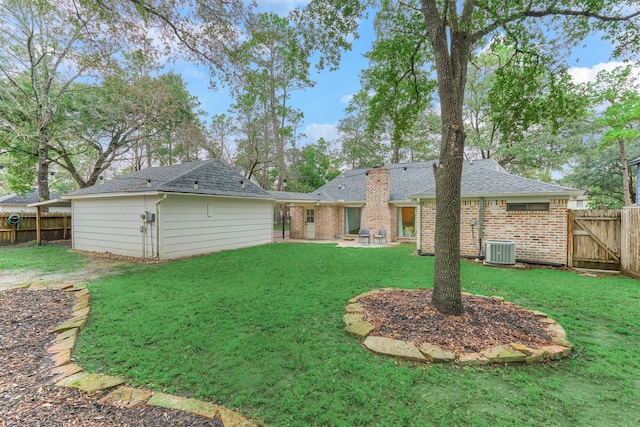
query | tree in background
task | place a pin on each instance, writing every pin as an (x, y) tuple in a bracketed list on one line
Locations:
[(44, 49), (522, 112), (221, 131), (397, 78), (272, 64), (455, 30), (359, 146), (620, 121), (597, 170), (313, 169)]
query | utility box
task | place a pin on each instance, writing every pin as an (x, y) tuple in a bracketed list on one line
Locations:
[(501, 252)]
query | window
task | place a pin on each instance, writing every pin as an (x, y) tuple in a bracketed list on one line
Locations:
[(352, 220), (528, 207), (406, 222), (579, 203), (311, 216)]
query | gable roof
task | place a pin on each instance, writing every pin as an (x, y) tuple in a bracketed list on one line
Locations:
[(405, 179), (213, 177), (416, 180), (488, 183), (25, 199)]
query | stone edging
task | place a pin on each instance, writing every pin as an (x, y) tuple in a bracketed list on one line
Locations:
[(67, 374), (503, 354)]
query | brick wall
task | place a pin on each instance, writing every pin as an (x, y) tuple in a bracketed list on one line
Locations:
[(377, 212), (297, 222), (539, 236), (329, 222)]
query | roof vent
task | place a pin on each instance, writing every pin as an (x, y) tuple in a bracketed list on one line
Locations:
[(500, 252)]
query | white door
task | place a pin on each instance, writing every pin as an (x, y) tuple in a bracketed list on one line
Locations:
[(310, 224)]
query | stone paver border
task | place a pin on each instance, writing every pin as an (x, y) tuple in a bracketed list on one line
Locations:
[(355, 315), (67, 374)]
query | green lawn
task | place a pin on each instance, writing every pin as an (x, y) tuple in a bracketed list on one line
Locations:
[(47, 259), (260, 330)]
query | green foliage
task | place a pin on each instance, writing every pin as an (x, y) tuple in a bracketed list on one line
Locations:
[(360, 147), (599, 172), (313, 168), (271, 64), (618, 90), (261, 330), (620, 121), (532, 112), (397, 78)]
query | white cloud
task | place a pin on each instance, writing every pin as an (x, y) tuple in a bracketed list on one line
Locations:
[(586, 74), (280, 6), (316, 131), (346, 99), (190, 72)]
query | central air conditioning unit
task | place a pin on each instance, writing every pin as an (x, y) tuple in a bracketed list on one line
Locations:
[(500, 252)]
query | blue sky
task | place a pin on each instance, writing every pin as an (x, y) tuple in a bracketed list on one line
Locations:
[(323, 105)]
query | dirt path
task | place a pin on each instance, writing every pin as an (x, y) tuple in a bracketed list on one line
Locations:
[(97, 266)]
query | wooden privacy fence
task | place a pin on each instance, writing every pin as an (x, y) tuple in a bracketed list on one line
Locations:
[(594, 239), (54, 226), (631, 241)]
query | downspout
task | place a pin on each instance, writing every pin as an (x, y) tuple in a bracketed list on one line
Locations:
[(157, 255), (480, 225), (418, 226)]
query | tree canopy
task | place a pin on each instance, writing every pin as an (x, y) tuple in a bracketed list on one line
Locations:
[(454, 31)]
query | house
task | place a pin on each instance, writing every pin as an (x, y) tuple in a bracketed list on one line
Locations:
[(578, 202), (19, 203), (401, 197), (172, 211), (636, 163)]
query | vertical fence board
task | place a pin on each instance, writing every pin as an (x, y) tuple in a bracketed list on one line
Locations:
[(55, 226), (631, 241), (595, 239)]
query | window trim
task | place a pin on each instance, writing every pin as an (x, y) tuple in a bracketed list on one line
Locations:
[(528, 207), (346, 220)]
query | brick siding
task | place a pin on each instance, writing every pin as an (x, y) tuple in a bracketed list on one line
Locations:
[(377, 212), (539, 236), (297, 222), (329, 222)]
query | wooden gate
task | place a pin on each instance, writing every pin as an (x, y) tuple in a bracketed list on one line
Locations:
[(594, 239)]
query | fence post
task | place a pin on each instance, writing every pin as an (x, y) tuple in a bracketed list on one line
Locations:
[(569, 238), (14, 234), (38, 226)]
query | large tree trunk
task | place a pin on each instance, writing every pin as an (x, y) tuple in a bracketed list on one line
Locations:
[(43, 169), (447, 295), (625, 173), (451, 46)]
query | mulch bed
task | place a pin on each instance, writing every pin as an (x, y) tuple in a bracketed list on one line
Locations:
[(408, 315), (27, 395)]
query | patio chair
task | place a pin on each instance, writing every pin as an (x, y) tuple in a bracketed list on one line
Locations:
[(364, 234), (382, 234)]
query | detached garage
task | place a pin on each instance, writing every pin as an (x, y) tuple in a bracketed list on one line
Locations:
[(172, 212)]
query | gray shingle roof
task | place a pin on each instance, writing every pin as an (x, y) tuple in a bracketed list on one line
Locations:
[(479, 177), (292, 196), (405, 179), (485, 182), (214, 177), (25, 199)]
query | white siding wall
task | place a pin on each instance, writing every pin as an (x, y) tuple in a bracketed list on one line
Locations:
[(192, 225), (113, 225)]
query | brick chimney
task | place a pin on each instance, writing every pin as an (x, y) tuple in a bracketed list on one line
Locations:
[(376, 212)]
